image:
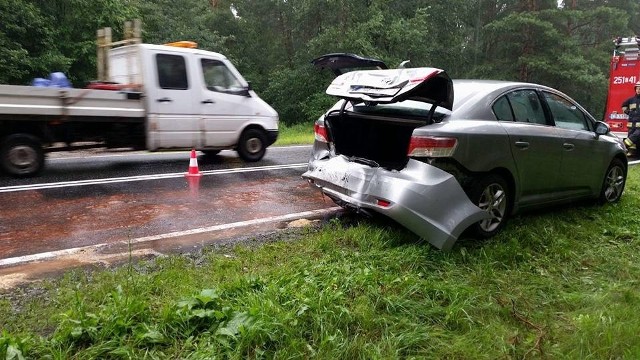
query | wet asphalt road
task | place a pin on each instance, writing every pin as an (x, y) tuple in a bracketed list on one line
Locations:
[(88, 200), (101, 163)]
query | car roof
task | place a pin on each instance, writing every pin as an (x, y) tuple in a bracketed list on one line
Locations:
[(467, 89)]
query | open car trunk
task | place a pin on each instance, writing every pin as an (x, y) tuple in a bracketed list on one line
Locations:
[(373, 140), (380, 109), (360, 157)]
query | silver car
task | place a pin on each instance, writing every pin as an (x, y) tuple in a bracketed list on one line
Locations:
[(441, 156)]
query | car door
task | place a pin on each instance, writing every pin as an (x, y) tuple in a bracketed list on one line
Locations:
[(173, 120), (580, 146), (225, 102), (535, 144)]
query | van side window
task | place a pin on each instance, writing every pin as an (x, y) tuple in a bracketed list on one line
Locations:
[(527, 107), (172, 72), (565, 114), (217, 77)]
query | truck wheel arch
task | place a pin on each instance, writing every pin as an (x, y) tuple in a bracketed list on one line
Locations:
[(21, 155)]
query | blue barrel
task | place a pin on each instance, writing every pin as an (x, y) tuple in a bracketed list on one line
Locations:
[(41, 82), (59, 79)]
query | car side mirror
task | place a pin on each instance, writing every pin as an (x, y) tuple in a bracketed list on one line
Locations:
[(602, 128)]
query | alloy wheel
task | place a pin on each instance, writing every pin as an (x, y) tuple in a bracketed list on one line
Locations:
[(494, 201), (614, 183)]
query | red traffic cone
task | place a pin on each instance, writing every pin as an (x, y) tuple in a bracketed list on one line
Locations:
[(193, 165)]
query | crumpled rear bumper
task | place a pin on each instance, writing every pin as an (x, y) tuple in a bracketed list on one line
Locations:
[(422, 198)]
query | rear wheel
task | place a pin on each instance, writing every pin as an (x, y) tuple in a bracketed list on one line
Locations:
[(252, 145), (21, 155), (492, 194), (614, 181)]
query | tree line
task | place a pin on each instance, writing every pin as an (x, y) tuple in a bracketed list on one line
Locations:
[(566, 45)]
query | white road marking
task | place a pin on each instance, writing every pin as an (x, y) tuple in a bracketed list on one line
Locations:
[(64, 155), (71, 251), (144, 177)]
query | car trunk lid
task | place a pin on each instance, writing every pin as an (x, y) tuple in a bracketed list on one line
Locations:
[(428, 85)]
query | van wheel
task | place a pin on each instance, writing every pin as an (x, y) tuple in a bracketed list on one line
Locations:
[(613, 184), (252, 147), (492, 194), (21, 155)]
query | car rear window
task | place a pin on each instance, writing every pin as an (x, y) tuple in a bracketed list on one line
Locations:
[(502, 109)]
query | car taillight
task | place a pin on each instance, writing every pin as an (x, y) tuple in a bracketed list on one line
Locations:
[(429, 146), (383, 203), (321, 133)]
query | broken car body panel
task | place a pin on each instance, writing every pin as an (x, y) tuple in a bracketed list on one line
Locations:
[(421, 197)]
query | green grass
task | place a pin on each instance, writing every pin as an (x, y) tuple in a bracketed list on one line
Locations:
[(298, 134), (555, 284)]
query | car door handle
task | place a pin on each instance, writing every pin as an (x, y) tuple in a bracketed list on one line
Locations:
[(522, 144), (208, 101), (165, 99), (568, 146)]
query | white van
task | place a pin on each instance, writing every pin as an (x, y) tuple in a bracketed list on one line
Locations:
[(156, 97)]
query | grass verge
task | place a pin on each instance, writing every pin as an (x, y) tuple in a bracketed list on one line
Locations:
[(554, 284), (298, 134)]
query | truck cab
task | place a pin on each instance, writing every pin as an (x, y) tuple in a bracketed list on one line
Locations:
[(624, 73)]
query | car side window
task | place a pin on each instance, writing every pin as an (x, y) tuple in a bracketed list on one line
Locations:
[(502, 109), (566, 114), (172, 72), (217, 77), (527, 107)]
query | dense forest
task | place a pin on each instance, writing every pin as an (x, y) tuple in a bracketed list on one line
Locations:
[(566, 44)]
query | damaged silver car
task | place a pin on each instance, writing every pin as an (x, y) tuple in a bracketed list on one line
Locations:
[(441, 156)]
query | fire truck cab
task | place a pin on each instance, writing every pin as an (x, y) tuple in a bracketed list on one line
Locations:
[(624, 73)]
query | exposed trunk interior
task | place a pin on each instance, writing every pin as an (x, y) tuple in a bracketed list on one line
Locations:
[(384, 140)]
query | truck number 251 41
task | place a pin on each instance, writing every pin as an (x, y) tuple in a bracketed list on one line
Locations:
[(618, 80)]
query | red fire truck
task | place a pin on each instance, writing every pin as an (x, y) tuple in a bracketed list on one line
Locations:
[(624, 73)]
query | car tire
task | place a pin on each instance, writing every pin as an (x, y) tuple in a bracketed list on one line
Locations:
[(252, 145), (21, 155), (614, 181), (492, 194)]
